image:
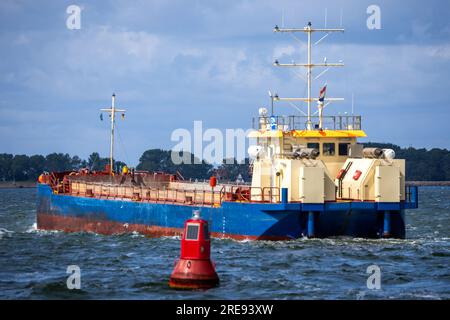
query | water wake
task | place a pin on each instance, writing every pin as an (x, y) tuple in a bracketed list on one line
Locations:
[(5, 233)]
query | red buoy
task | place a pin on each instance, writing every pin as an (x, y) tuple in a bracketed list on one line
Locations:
[(194, 270)]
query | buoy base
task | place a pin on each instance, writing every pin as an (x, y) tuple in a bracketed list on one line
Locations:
[(193, 274), (182, 284)]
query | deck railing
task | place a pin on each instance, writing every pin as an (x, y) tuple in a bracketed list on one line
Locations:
[(142, 193), (287, 123), (254, 194), (200, 197)]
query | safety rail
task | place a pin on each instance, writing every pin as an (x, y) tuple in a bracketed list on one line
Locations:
[(201, 197), (271, 195), (253, 194), (286, 123), (142, 193)]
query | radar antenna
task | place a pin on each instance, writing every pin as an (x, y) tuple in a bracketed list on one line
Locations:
[(308, 29)]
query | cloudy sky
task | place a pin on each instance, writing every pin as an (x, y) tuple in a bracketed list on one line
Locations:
[(172, 62)]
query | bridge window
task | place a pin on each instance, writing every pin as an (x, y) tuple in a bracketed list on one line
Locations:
[(313, 145), (328, 149), (343, 149)]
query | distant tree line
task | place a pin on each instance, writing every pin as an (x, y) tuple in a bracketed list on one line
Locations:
[(22, 167), (421, 164), (160, 160)]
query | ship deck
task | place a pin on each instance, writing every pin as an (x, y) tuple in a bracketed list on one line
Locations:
[(202, 195)]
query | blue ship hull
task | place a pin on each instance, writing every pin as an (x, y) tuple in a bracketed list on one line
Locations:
[(238, 220)]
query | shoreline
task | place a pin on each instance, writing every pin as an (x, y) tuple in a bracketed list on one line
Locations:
[(428, 183), (17, 184)]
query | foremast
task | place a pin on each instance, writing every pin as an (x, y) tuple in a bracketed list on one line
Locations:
[(112, 111)]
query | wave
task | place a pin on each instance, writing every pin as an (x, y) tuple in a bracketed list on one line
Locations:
[(33, 228), (171, 237), (5, 233)]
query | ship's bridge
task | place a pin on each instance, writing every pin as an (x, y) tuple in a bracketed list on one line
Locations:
[(334, 142), (299, 123)]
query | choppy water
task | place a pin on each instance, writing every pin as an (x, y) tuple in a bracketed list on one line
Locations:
[(33, 263)]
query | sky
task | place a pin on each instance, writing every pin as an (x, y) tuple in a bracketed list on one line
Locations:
[(173, 62)]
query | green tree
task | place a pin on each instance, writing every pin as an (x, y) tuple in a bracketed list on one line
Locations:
[(20, 167), (230, 170), (36, 166), (155, 160), (446, 167), (421, 164), (58, 162), (194, 169), (97, 163), (77, 163), (160, 160), (6, 173)]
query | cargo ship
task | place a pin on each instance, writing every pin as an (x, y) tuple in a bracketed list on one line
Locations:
[(310, 178)]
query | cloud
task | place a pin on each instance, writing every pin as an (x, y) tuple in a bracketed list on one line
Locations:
[(10, 6), (101, 58), (281, 51), (118, 52), (174, 62), (439, 51), (22, 39)]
